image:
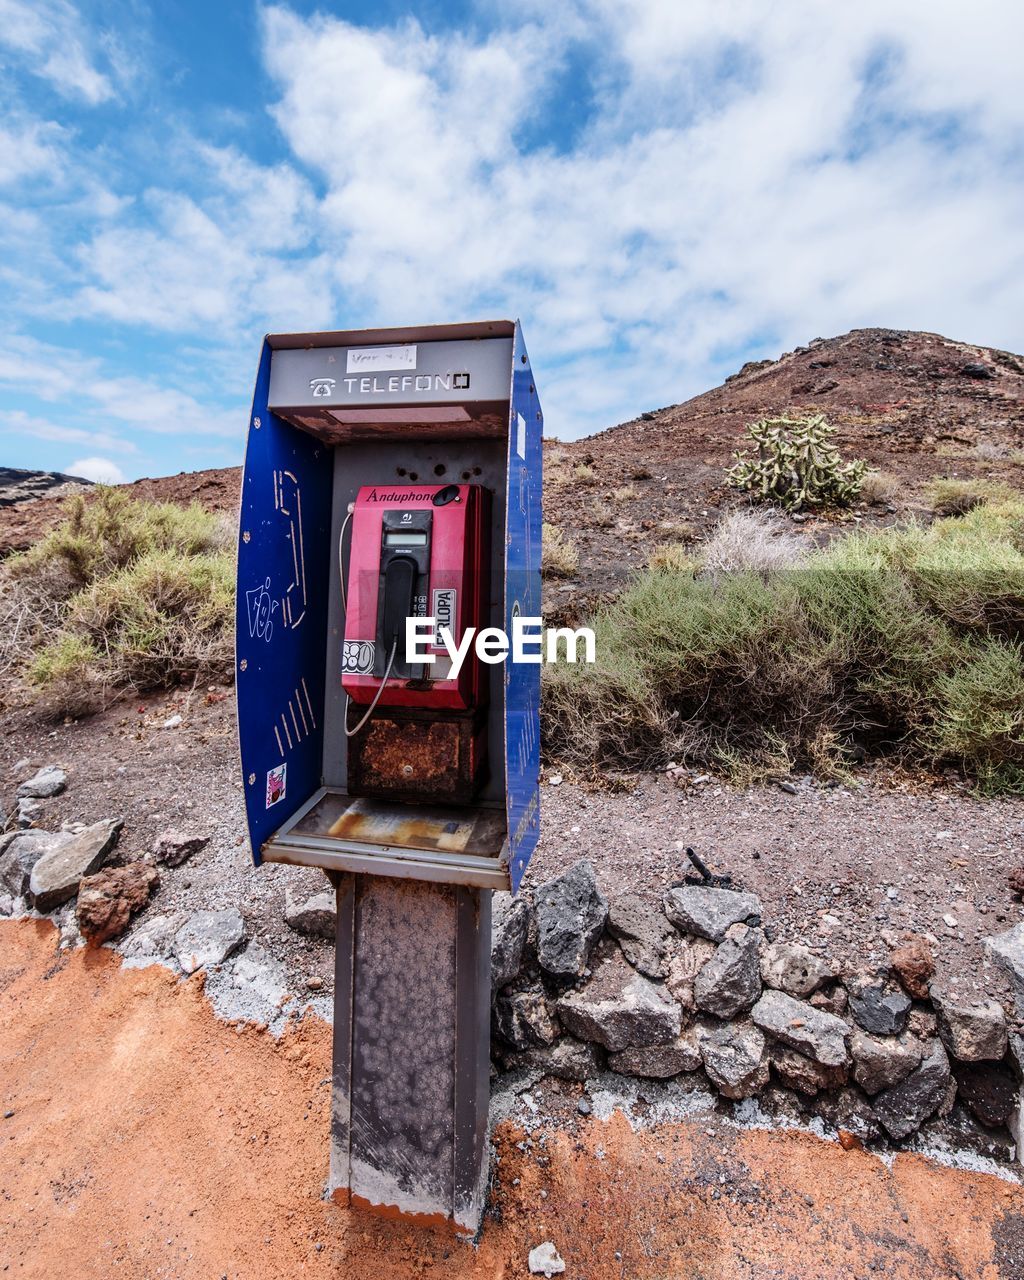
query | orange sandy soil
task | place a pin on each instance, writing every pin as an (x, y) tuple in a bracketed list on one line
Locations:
[(150, 1140)]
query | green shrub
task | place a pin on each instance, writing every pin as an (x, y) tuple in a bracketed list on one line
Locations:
[(796, 464), (904, 643), (957, 497), (124, 594)]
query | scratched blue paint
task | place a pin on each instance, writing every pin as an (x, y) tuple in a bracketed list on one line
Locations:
[(522, 595), (281, 614)]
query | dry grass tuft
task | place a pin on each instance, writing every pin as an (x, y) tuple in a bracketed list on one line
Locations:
[(559, 555), (750, 541)]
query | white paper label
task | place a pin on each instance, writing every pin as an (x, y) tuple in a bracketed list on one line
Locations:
[(376, 359), (445, 604), (521, 435)]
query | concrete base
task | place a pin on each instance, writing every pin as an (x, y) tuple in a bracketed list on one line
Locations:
[(411, 1049)]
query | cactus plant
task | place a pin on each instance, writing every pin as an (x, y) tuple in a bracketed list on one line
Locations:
[(796, 464)]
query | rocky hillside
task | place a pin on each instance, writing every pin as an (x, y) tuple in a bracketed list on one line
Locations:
[(914, 405), (18, 486)]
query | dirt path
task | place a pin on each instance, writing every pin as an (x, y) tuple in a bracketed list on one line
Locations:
[(150, 1140)]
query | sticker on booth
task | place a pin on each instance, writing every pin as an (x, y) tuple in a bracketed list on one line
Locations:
[(276, 784)]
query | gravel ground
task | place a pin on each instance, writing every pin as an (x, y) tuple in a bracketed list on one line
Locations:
[(845, 869)]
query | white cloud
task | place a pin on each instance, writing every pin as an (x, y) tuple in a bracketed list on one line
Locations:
[(29, 149), (17, 422), (746, 173), (102, 470), (53, 39), (61, 375), (730, 177)]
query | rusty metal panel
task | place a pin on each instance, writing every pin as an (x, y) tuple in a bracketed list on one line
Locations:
[(403, 1047), (403, 758)]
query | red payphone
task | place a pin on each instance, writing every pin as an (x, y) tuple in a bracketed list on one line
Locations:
[(415, 729)]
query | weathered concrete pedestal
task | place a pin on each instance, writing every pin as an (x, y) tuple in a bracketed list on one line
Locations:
[(411, 1049)]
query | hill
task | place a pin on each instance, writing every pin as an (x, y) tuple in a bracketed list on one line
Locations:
[(914, 405)]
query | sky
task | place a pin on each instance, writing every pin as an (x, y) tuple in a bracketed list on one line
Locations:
[(658, 189)]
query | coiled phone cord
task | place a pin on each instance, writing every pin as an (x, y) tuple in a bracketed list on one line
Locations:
[(351, 733)]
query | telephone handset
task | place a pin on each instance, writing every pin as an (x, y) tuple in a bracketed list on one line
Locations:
[(416, 551)]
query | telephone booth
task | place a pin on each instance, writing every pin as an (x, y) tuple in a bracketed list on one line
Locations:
[(392, 491)]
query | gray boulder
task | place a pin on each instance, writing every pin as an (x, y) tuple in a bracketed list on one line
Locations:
[(821, 1036), (798, 1072), (1007, 950), (152, 941), (660, 1061), (60, 870), (971, 1032), (643, 933), (878, 1003), (523, 1019), (510, 924), (21, 851), (49, 781), (28, 812), (879, 1062), (788, 967), (907, 1105), (208, 938), (173, 847), (566, 1059), (709, 912), (315, 916), (734, 1056), (620, 1009), (730, 982), (570, 913)]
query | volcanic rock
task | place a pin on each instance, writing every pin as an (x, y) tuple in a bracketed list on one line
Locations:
[(49, 781), (570, 913), (821, 1036), (730, 982), (794, 969), (971, 1032), (734, 1056), (510, 923), (877, 1003), (913, 964), (709, 912), (906, 1106), (316, 917), (56, 876), (107, 899), (879, 1062), (661, 1061), (174, 847), (643, 933), (523, 1019), (620, 1009), (208, 938)]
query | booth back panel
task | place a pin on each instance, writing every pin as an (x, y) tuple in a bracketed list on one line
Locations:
[(282, 590), (523, 597)]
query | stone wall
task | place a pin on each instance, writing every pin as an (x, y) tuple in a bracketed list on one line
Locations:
[(695, 989)]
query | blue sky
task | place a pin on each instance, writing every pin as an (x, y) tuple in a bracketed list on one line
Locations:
[(660, 189)]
